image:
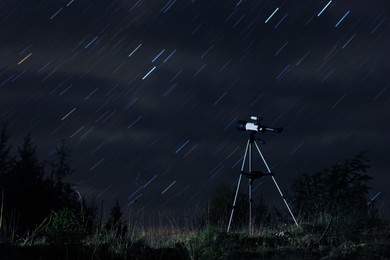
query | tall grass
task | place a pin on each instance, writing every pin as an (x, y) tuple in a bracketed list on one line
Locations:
[(164, 236)]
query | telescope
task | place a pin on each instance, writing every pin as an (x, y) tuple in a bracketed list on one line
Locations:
[(256, 126)]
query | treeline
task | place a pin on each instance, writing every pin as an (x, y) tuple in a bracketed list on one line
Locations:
[(34, 196)]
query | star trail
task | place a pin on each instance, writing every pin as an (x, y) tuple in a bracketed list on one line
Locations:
[(146, 94)]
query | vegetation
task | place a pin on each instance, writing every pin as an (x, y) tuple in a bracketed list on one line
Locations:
[(336, 191), (42, 216)]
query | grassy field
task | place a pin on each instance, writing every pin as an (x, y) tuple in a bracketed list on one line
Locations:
[(324, 239)]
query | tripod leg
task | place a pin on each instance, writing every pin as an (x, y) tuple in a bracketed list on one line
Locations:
[(285, 202), (234, 202), (250, 206), (250, 189), (276, 184), (238, 187)]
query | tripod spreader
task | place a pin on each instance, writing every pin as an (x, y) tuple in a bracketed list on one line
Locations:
[(256, 174)]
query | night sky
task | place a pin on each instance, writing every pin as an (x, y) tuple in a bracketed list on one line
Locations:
[(146, 93)]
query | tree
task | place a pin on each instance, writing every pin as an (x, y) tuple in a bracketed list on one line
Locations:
[(28, 194), (338, 190), (23, 187), (64, 194), (4, 166), (61, 167), (115, 220), (89, 215)]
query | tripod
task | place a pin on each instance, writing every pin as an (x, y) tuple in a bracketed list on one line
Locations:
[(253, 175)]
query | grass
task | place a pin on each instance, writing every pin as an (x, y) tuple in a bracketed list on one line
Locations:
[(328, 237), (323, 239)]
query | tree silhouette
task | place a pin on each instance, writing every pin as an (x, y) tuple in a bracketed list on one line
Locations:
[(23, 187), (340, 189), (115, 220), (28, 194), (64, 195), (4, 166), (61, 167)]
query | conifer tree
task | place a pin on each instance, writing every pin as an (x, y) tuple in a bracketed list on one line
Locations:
[(115, 220)]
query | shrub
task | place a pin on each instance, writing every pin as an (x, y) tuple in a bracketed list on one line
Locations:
[(64, 228), (339, 190)]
